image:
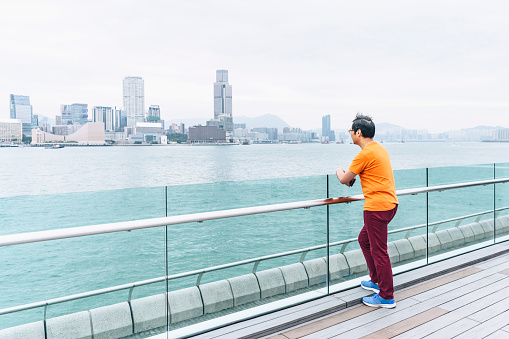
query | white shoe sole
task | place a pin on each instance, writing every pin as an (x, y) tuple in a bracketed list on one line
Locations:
[(379, 305), (370, 289)]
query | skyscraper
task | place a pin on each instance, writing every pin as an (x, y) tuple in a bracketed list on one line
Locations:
[(223, 100), (75, 114), (109, 116), (327, 133), (21, 109), (134, 100), (154, 113)]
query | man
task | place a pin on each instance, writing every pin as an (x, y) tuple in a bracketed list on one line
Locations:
[(373, 165)]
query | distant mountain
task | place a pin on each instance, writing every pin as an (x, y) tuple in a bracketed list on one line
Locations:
[(266, 120)]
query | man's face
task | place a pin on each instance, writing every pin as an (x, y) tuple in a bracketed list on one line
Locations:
[(354, 135)]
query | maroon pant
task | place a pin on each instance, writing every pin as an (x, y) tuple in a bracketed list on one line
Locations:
[(373, 242)]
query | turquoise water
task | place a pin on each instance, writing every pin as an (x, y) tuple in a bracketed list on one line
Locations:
[(41, 271)]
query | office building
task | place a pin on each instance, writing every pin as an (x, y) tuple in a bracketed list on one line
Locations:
[(134, 100), (21, 109), (325, 127), (109, 116), (75, 114), (207, 134), (271, 132), (154, 114), (223, 101), (11, 131)]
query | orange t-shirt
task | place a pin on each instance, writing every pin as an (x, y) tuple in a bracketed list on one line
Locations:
[(373, 165)]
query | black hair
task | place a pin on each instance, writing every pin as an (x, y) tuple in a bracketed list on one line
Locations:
[(365, 124)]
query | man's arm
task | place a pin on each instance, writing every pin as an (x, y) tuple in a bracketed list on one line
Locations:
[(345, 177)]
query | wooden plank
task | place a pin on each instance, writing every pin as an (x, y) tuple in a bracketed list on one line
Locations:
[(394, 317), (498, 335), (280, 336), (280, 323), (500, 288), (453, 329), (476, 279), (449, 318), (501, 260), (328, 322), (361, 320), (435, 283), (490, 311), (505, 271), (298, 310), (487, 327), (407, 324)]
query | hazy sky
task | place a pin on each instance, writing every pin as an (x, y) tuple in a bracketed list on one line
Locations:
[(437, 65)]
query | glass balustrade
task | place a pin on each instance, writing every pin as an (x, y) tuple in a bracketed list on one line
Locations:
[(202, 274)]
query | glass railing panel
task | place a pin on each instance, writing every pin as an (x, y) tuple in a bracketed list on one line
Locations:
[(502, 203), (209, 197), (234, 293), (460, 220), (42, 271), (459, 174)]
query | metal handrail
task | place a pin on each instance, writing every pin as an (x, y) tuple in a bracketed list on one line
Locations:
[(29, 237)]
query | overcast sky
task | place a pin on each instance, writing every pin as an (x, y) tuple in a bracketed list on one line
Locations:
[(435, 65)]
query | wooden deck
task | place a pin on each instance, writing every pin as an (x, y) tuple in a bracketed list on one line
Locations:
[(461, 297)]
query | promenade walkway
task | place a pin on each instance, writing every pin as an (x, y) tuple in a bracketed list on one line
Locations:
[(461, 297)]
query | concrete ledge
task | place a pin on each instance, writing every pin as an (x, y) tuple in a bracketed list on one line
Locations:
[(419, 245), (467, 232), (356, 261), (456, 236), (75, 325), (216, 296), (434, 243), (487, 226), (31, 330), (445, 239), (405, 250), (113, 321), (478, 231), (149, 312), (271, 282), (295, 277), (316, 270), (245, 289), (338, 267), (185, 304)]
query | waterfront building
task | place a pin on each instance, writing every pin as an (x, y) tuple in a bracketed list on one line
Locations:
[(11, 130), (177, 128), (211, 134), (134, 100), (21, 109), (271, 132), (92, 133), (74, 114), (223, 101), (154, 114), (147, 132), (501, 134), (327, 133), (109, 116)]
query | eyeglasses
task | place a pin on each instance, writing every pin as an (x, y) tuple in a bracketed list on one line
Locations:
[(350, 130)]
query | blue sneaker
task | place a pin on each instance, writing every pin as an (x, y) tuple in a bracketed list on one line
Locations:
[(377, 301), (370, 286)]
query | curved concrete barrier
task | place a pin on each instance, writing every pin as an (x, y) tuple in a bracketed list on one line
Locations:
[(115, 321)]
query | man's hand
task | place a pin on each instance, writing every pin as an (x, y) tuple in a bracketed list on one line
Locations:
[(345, 176)]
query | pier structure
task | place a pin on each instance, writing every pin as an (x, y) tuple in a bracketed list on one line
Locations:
[(283, 299)]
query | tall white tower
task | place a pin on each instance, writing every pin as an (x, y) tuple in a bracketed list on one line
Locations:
[(134, 100), (223, 100)]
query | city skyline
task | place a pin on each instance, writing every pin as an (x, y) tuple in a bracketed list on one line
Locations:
[(434, 65)]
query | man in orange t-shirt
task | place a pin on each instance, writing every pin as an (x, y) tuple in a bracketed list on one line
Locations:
[(373, 166)]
